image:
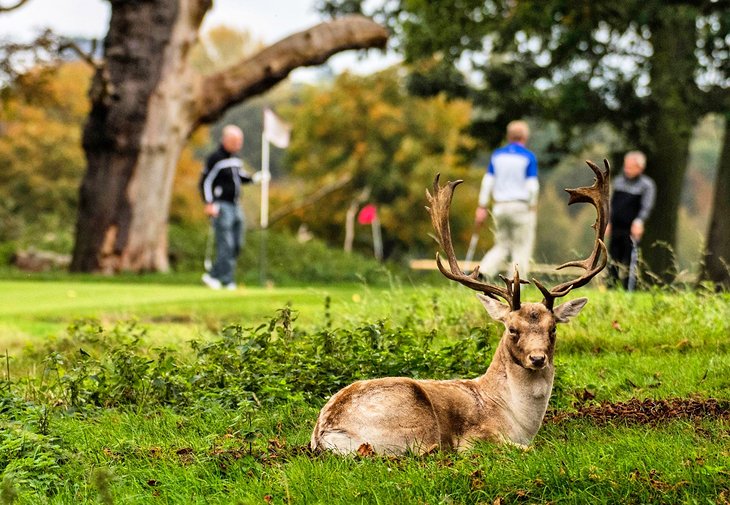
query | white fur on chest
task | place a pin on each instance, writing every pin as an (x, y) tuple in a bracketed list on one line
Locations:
[(528, 400)]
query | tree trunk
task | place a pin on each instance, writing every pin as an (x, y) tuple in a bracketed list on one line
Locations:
[(671, 119), (350, 218), (146, 101), (717, 254)]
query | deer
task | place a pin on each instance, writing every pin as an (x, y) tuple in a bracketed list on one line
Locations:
[(400, 415)]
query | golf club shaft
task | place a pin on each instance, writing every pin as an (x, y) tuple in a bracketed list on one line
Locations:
[(472, 247)]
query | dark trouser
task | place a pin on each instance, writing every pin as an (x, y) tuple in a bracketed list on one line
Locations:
[(230, 227), (620, 252)]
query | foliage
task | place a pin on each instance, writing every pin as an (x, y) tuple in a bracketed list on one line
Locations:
[(392, 144), (651, 69), (220, 47), (271, 362), (278, 360), (288, 261), (186, 205), (41, 161), (226, 418), (29, 455)]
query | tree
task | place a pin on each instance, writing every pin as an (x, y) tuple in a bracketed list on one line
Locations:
[(717, 255), (146, 100), (41, 161), (649, 68), (389, 144)]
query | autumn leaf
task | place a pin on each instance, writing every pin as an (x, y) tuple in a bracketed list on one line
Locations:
[(365, 450)]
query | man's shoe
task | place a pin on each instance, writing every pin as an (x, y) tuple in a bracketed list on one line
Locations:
[(211, 281), (231, 286)]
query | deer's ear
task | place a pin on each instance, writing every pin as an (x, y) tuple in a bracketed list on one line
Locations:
[(496, 309), (565, 311)]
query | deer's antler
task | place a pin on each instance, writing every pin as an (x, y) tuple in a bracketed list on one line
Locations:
[(596, 195), (440, 203)]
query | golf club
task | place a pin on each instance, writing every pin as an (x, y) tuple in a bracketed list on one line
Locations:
[(208, 261), (633, 264)]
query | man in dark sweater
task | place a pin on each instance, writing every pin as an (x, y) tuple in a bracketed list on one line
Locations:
[(220, 187), (632, 200)]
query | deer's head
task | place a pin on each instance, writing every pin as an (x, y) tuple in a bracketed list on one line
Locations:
[(529, 332), (529, 327)]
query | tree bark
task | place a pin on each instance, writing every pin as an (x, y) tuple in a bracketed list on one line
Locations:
[(146, 101), (671, 118), (717, 253)]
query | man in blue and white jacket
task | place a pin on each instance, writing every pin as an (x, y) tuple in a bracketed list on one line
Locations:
[(220, 187), (511, 184)]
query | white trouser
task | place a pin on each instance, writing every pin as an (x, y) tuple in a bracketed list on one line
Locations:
[(514, 238)]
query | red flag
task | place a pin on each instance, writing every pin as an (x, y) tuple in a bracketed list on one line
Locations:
[(367, 214)]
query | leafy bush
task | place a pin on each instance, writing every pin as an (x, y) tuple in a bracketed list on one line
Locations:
[(287, 260), (29, 455), (272, 362)]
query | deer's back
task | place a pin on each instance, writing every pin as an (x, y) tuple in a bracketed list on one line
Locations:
[(397, 414)]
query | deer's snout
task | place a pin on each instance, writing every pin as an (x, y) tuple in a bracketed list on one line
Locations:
[(537, 360)]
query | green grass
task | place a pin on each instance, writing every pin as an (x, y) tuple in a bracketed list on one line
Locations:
[(220, 444)]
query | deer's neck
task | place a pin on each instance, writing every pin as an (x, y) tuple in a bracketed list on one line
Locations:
[(521, 394)]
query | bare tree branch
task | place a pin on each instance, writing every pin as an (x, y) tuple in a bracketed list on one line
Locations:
[(310, 199), (74, 48), (274, 63), (12, 7)]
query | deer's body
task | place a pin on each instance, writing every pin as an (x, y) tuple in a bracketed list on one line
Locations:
[(398, 414), (507, 404)]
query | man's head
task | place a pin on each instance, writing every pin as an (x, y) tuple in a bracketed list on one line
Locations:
[(634, 164), (232, 138), (518, 131)]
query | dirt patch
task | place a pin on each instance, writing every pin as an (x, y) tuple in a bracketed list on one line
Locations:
[(651, 412)]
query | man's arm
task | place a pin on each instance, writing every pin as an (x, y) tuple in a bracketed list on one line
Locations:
[(485, 194), (648, 197), (206, 187), (533, 190), (531, 183), (255, 178)]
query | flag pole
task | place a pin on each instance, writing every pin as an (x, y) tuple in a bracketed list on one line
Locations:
[(264, 206)]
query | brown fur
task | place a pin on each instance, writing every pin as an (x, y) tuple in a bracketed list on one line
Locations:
[(507, 403)]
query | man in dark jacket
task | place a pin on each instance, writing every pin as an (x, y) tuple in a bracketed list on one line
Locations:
[(220, 187), (632, 200)]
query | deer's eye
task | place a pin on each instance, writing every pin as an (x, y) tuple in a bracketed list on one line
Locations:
[(514, 333), (552, 333)]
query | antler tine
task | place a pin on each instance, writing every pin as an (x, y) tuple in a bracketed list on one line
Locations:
[(596, 195), (513, 288), (440, 204)]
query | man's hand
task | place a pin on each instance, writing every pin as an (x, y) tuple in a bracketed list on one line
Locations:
[(260, 176), (480, 215), (637, 229), (211, 210)]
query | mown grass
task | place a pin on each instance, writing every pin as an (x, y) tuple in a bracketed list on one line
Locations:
[(117, 412)]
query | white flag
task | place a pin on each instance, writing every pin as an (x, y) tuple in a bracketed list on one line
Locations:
[(276, 131)]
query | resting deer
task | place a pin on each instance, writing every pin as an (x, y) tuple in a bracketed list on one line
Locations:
[(507, 404)]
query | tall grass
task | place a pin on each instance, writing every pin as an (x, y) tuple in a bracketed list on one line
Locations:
[(109, 410)]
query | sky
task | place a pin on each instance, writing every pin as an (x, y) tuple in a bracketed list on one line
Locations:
[(268, 20)]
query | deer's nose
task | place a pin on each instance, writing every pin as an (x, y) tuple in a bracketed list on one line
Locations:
[(537, 360)]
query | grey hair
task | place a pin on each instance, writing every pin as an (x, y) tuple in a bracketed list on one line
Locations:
[(639, 156)]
